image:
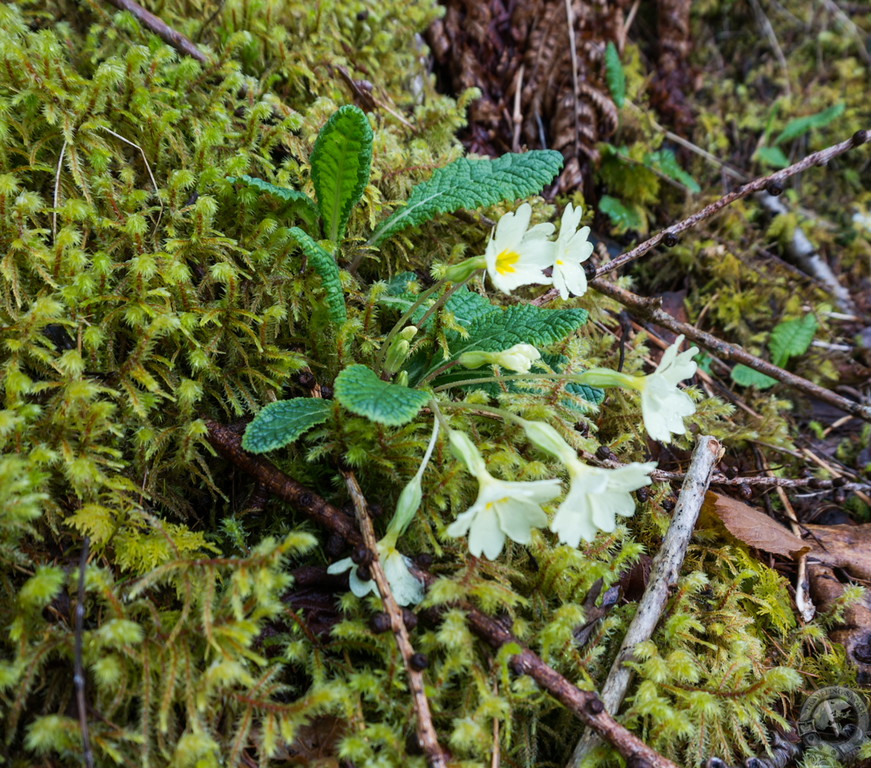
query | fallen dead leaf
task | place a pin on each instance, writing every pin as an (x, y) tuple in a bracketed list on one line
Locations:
[(753, 527), (842, 546)]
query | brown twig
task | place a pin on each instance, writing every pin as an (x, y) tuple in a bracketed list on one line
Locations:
[(426, 733), (775, 180), (78, 663), (586, 705), (229, 444), (649, 309), (764, 481), (664, 573), (160, 28)]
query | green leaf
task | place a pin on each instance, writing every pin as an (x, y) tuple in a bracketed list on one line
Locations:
[(747, 377), (614, 75), (521, 323), (340, 162), (300, 202), (325, 265), (622, 217), (282, 422), (467, 306), (359, 389), (772, 157), (665, 162), (801, 125), (471, 184), (791, 339)]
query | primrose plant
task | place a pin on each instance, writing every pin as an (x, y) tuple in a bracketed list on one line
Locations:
[(428, 363)]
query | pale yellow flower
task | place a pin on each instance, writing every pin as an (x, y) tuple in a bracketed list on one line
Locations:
[(516, 254)]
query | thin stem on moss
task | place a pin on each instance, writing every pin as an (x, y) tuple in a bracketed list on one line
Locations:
[(426, 732), (649, 309), (759, 184)]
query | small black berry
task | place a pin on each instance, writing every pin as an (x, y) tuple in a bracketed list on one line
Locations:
[(839, 482), (603, 452), (418, 662), (860, 137), (745, 490), (667, 505), (306, 379), (379, 622), (589, 270), (363, 573), (595, 706), (774, 188), (361, 556), (670, 240), (424, 560), (409, 618), (642, 494), (326, 392)]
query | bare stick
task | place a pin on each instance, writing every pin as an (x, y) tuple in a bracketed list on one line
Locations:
[(426, 732), (664, 573), (78, 664), (586, 705), (774, 181), (60, 161), (649, 308), (160, 28)]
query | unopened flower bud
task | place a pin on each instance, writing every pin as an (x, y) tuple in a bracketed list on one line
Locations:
[(457, 273)]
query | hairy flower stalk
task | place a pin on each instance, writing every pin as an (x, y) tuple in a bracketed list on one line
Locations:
[(663, 405)]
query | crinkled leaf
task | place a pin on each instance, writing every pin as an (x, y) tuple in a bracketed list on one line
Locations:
[(665, 162), (614, 75), (325, 265), (748, 377), (520, 324), (301, 203), (284, 421), (801, 125), (340, 166), (469, 183), (791, 339), (361, 391)]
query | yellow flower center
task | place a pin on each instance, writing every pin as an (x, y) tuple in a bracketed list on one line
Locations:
[(505, 262), (491, 504), (559, 262)]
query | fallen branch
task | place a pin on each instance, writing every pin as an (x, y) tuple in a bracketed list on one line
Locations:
[(426, 733), (160, 28), (772, 184), (664, 573), (585, 705), (649, 308), (78, 661)]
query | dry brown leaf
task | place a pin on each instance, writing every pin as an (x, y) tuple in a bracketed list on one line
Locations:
[(842, 546), (754, 528)]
